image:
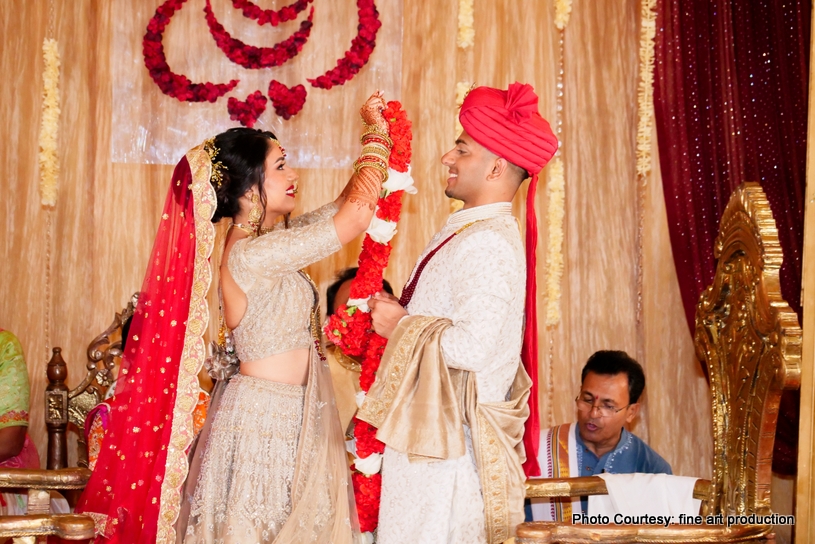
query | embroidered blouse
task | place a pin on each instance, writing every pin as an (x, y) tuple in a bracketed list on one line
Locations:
[(279, 297)]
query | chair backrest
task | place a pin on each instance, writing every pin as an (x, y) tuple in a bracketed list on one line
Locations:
[(64, 406), (750, 341)]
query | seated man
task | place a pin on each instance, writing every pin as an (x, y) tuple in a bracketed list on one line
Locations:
[(344, 369), (611, 385)]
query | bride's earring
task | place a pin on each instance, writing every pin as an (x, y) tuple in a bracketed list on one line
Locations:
[(255, 213)]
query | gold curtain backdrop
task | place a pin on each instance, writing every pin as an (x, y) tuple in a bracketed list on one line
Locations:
[(106, 213)]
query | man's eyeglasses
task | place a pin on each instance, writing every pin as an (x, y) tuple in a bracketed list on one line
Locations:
[(605, 410)]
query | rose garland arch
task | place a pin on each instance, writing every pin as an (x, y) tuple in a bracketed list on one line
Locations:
[(287, 101)]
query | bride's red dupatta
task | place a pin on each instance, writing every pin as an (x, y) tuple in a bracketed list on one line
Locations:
[(134, 492)]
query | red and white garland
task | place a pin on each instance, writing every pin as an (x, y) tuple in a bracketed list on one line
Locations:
[(350, 327)]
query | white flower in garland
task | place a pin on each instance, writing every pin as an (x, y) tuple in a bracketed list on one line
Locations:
[(49, 128), (381, 231), (370, 465), (399, 181), (360, 304)]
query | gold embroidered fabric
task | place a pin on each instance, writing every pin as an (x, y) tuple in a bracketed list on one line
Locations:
[(419, 405), (244, 489), (269, 467), (345, 379), (279, 299)]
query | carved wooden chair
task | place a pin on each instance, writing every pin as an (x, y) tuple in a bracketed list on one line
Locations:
[(65, 406), (750, 340)]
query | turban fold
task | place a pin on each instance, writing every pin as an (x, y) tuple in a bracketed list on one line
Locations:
[(508, 124)]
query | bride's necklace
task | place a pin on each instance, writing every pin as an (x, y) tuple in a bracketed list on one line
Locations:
[(245, 228)]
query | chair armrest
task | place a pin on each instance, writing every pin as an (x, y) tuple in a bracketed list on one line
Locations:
[(67, 526), (589, 485), (64, 478), (542, 532)]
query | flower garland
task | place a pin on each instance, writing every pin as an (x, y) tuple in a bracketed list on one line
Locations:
[(350, 327), (556, 189), (270, 16), (49, 127), (645, 92), (645, 113), (361, 48), (466, 30), (563, 8), (556, 209), (170, 83), (253, 57)]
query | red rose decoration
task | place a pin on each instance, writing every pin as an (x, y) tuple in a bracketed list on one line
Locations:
[(172, 84), (287, 101), (361, 48), (247, 111), (270, 16)]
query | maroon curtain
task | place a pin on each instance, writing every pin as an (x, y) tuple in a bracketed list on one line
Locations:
[(730, 97)]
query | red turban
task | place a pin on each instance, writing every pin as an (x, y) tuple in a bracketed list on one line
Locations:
[(508, 124)]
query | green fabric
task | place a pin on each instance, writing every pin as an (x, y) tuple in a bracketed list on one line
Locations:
[(14, 386)]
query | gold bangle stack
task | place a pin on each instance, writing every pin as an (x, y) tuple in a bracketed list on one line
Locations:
[(373, 132), (376, 150), (367, 162)]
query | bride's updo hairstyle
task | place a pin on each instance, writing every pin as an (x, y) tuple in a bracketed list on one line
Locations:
[(241, 159)]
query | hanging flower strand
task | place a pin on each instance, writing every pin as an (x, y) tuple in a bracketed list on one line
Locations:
[(49, 128), (466, 30), (172, 84), (253, 57), (361, 48), (350, 327), (270, 16), (563, 9)]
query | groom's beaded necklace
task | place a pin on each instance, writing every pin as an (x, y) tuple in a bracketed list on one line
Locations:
[(407, 292)]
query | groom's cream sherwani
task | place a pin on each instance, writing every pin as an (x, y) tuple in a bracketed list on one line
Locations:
[(476, 281)]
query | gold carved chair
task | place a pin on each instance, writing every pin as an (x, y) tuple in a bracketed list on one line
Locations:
[(750, 341), (65, 408)]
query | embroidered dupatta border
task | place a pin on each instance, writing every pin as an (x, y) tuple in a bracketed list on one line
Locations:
[(194, 352), (494, 485)]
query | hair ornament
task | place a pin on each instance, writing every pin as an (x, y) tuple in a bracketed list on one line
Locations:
[(217, 176), (282, 150)]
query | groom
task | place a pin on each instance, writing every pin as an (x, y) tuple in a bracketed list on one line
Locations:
[(451, 395)]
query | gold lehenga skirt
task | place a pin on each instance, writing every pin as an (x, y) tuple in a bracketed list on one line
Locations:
[(243, 493)]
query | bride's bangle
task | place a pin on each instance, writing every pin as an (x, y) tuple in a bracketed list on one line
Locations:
[(374, 132)]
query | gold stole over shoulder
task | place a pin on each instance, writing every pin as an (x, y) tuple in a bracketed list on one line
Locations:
[(194, 352), (420, 407)]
